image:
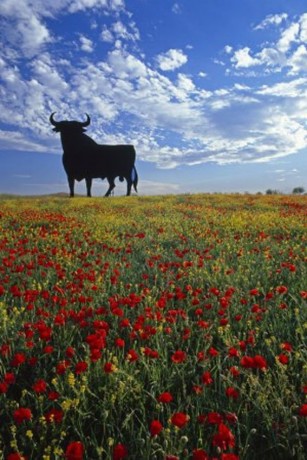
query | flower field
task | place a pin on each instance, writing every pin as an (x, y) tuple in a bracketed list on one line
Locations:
[(153, 328)]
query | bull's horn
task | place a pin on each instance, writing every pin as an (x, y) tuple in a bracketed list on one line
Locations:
[(52, 121), (87, 122)]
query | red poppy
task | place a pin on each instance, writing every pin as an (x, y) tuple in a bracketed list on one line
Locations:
[(48, 349), (70, 352), (283, 359), (165, 397), (3, 387), (9, 377), (233, 352), (16, 456), (74, 451), (53, 395), (200, 454), (22, 414), (120, 451), (81, 367), (132, 355), (229, 457), (120, 343), (61, 367), (179, 357), (207, 378), (231, 418), (197, 389), (232, 393), (155, 427), (214, 418), (256, 362), (39, 386), (180, 419), (18, 359), (54, 415), (286, 346), (281, 289), (108, 368), (234, 371), (260, 362), (213, 352), (303, 410), (247, 362), (224, 439)]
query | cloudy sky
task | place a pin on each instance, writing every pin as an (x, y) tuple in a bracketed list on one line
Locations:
[(212, 93)]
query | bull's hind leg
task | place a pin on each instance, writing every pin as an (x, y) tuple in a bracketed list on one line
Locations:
[(88, 181), (71, 183), (129, 185), (111, 185)]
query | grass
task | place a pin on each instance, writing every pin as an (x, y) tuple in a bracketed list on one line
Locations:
[(153, 327)]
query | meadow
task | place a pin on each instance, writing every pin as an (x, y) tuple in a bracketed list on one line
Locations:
[(151, 328)]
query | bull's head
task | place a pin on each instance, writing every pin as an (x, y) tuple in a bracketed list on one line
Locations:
[(62, 126)]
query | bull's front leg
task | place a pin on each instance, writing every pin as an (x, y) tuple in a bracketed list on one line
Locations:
[(71, 183), (88, 181)]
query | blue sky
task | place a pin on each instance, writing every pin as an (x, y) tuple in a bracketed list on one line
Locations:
[(212, 93)]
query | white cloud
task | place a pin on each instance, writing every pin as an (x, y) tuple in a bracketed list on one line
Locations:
[(170, 119), (121, 31), (185, 83), (303, 28), (125, 64), (176, 8), (272, 19), (288, 36), (23, 28), (242, 58), (86, 44), (228, 49), (106, 35), (291, 89), (287, 52), (271, 57), (171, 59), (80, 5), (11, 140), (298, 61)]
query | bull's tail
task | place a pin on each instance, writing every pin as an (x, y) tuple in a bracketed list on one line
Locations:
[(134, 178)]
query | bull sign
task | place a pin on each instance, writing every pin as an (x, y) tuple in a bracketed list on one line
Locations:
[(83, 158)]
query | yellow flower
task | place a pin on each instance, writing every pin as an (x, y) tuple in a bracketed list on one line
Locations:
[(29, 434), (66, 405), (13, 444), (71, 379)]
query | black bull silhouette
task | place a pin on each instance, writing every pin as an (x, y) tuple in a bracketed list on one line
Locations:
[(83, 158)]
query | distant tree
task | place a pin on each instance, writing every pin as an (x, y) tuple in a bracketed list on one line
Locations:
[(298, 190), (272, 192)]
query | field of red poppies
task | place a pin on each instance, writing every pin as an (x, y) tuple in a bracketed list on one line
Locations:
[(153, 328)]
